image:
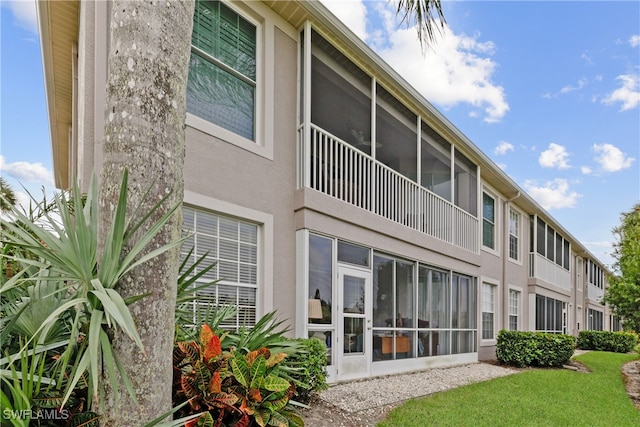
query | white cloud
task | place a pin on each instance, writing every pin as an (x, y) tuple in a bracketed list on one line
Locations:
[(611, 158), (457, 69), (634, 40), (27, 172), (24, 11), (581, 84), (556, 156), (552, 194), (628, 94), (586, 170), (503, 148), (352, 12)]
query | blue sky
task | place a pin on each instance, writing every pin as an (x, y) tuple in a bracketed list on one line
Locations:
[(549, 90)]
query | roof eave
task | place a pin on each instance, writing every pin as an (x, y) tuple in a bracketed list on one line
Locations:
[(58, 26)]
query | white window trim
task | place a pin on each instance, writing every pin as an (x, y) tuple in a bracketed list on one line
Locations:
[(496, 310), (264, 303), (521, 247), (265, 72), (519, 307), (496, 222)]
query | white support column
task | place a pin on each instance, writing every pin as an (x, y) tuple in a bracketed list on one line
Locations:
[(306, 119)]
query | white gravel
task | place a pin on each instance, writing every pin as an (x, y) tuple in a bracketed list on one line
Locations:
[(357, 396)]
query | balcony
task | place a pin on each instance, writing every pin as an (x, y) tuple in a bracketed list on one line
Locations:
[(335, 168), (595, 293), (542, 268)]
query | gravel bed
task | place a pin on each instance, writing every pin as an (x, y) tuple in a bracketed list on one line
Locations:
[(357, 396)]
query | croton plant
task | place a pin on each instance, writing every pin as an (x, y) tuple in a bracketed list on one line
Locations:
[(231, 387)]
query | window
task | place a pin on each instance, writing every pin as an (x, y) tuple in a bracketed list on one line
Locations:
[(232, 245), (594, 320), (222, 71), (436, 163), (548, 314), (320, 279), (465, 183), (395, 134), (514, 308), (514, 235), (550, 239), (488, 221), (616, 323), (353, 254), (463, 314), (595, 274), (488, 311), (551, 244)]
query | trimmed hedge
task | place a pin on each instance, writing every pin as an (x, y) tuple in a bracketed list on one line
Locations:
[(523, 348), (617, 342)]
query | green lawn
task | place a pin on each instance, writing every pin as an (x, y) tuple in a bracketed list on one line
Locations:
[(539, 397)]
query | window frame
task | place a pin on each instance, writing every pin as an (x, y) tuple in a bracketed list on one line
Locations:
[(514, 308), (488, 299), (518, 239), (548, 314), (262, 145), (492, 222), (265, 240)]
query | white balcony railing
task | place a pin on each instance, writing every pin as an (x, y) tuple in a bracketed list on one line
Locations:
[(335, 168), (542, 268), (595, 293)]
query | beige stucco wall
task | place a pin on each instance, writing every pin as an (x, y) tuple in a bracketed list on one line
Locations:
[(223, 171)]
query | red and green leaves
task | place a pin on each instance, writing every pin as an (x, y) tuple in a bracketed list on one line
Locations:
[(233, 386)]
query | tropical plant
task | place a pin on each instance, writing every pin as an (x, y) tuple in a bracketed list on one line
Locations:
[(308, 366), (424, 15), (7, 195), (65, 289), (232, 386), (623, 292)]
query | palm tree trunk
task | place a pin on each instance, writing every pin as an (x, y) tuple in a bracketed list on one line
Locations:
[(144, 133)]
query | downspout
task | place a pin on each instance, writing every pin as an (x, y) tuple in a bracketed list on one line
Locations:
[(505, 257)]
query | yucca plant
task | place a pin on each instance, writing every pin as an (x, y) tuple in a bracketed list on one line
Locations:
[(62, 246)]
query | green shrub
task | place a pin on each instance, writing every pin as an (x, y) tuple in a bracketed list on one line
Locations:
[(234, 386), (309, 366), (617, 342), (522, 348)]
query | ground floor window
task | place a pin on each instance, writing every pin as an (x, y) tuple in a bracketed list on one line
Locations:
[(616, 323), (594, 320), (548, 314), (414, 310), (488, 311), (514, 309), (232, 246)]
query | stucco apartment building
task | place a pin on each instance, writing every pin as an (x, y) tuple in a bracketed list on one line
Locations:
[(328, 189)]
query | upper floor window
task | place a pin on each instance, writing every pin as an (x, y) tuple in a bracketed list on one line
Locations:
[(222, 70), (514, 235), (232, 246), (551, 244), (488, 221), (595, 275)]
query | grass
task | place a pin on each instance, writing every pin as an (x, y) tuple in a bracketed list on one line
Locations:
[(537, 397)]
